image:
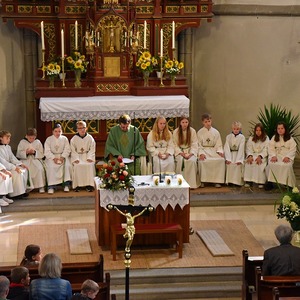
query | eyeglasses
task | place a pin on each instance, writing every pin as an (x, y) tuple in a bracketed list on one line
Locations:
[(81, 127)]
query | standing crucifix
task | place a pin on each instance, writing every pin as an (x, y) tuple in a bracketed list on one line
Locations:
[(128, 211)]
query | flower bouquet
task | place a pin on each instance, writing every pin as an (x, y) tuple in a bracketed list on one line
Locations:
[(289, 208), (52, 70), (114, 176), (173, 68), (145, 64), (77, 61)]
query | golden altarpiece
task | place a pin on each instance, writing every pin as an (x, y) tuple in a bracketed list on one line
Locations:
[(111, 34)]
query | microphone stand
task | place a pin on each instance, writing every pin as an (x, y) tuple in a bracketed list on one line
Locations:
[(134, 133), (160, 179)]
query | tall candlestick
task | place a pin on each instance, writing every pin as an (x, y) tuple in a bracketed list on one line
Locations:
[(145, 34), (42, 35), (161, 43), (62, 44), (76, 35), (173, 35)]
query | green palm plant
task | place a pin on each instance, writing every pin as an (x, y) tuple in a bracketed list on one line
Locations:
[(270, 116)]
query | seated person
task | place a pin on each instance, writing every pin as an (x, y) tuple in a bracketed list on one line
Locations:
[(89, 290), (4, 287), (6, 186), (125, 141), (31, 152), (83, 149), (283, 259), (161, 147), (19, 284), (58, 166), (32, 256)]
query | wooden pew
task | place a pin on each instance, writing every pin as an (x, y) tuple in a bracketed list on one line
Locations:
[(76, 273), (265, 284), (282, 293), (249, 281)]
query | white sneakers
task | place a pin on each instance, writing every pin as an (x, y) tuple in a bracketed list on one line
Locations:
[(218, 185), (7, 200), (41, 190), (66, 189), (50, 191), (3, 203)]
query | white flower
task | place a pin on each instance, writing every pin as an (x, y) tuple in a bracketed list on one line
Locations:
[(295, 190)]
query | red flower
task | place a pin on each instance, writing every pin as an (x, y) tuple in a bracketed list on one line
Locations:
[(106, 175), (113, 163), (109, 168), (122, 177), (120, 159)]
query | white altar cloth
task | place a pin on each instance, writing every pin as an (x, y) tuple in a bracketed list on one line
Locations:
[(148, 194), (111, 107)]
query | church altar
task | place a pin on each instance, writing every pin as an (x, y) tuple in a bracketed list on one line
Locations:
[(171, 203), (111, 107)]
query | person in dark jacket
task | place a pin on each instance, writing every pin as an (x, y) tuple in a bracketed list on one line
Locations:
[(19, 283), (89, 290), (283, 259)]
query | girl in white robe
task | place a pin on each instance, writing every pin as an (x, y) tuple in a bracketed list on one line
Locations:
[(31, 152), (83, 156), (282, 151), (256, 157), (234, 151), (20, 177), (161, 147), (6, 186), (211, 163), (58, 166), (186, 151)]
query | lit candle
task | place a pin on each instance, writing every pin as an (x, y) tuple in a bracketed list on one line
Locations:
[(98, 38), (130, 37), (42, 35), (125, 38), (173, 35), (62, 44), (161, 43), (76, 35), (145, 34)]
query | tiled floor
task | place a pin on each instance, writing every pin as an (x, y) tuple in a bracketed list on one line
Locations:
[(259, 219)]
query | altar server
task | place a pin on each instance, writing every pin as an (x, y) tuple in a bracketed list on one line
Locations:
[(31, 152), (83, 149), (6, 186), (211, 163), (282, 151), (125, 142), (256, 157), (58, 166), (20, 177), (186, 151), (234, 151), (161, 147)]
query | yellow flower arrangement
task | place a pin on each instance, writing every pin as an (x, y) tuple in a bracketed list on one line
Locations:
[(77, 62), (146, 62), (173, 67), (52, 69)]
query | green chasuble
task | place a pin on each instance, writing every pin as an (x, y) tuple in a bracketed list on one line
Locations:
[(127, 144)]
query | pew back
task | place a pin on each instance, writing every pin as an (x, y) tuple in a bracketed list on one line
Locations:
[(282, 293)]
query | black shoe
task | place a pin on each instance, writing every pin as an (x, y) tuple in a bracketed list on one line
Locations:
[(25, 195), (269, 186), (77, 189), (89, 188)]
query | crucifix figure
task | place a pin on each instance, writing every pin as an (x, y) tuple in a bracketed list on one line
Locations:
[(111, 28)]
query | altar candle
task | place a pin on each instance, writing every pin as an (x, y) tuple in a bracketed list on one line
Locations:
[(125, 38), (161, 43), (86, 38), (173, 35), (98, 38), (145, 34), (62, 44), (76, 35), (42, 35)]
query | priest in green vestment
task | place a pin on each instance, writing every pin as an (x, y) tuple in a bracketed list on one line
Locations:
[(126, 142)]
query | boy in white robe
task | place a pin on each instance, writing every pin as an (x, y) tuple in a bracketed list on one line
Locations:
[(31, 152), (6, 186), (20, 177), (58, 166), (83, 149), (234, 151), (211, 163)]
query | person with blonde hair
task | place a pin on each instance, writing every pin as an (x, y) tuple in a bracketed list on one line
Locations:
[(83, 157), (161, 147), (89, 290), (31, 152), (234, 151), (186, 150), (50, 285)]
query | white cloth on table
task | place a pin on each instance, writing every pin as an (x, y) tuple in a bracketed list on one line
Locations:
[(211, 169), (187, 167), (163, 147), (34, 162), (82, 149), (234, 151), (279, 171), (57, 148), (254, 172), (19, 180)]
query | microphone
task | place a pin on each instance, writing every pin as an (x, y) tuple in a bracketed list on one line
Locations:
[(160, 179)]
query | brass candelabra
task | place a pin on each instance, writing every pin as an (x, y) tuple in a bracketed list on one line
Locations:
[(161, 72), (63, 72), (43, 64)]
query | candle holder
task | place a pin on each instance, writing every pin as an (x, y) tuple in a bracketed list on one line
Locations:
[(161, 72), (173, 53), (43, 64), (63, 71)]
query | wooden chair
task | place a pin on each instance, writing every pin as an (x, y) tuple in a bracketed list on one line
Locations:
[(291, 293)]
